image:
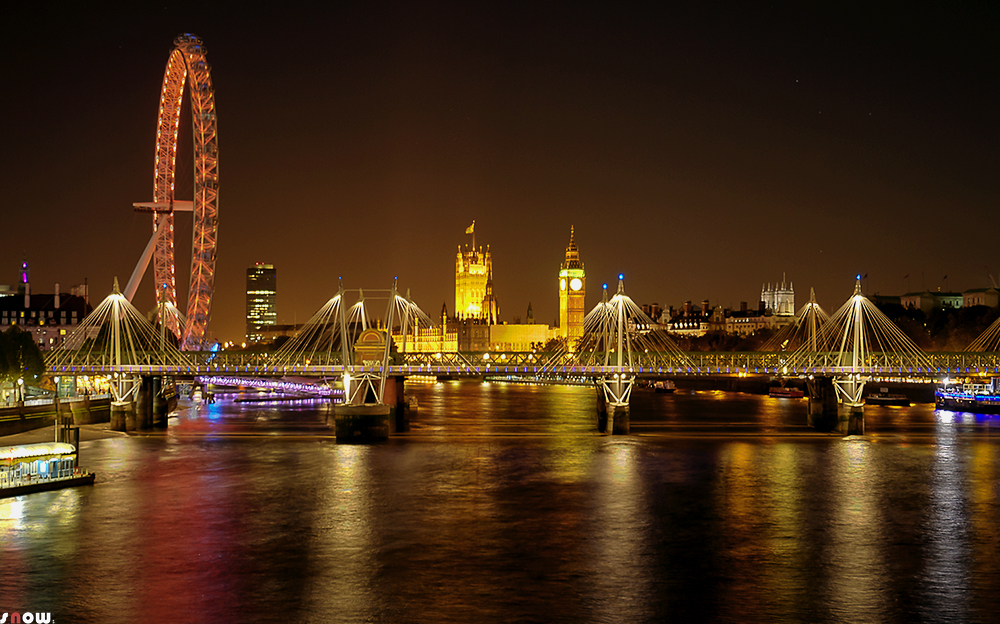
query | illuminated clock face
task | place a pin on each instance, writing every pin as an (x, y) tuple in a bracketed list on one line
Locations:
[(576, 284), (562, 284)]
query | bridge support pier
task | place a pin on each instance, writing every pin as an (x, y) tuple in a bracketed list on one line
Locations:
[(159, 406), (602, 411), (619, 417), (836, 405), (852, 419), (850, 392), (823, 409), (361, 423), (143, 418), (121, 413), (394, 397), (613, 404)]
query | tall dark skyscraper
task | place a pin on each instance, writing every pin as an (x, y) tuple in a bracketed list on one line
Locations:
[(262, 300)]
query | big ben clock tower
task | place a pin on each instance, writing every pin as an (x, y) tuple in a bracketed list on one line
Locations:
[(572, 291)]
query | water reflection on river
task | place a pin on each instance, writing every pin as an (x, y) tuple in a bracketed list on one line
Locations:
[(502, 504)]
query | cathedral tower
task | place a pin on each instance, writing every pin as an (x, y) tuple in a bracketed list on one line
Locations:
[(473, 268), (572, 291)]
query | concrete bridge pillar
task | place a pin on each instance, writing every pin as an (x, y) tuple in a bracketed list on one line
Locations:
[(159, 406), (850, 390), (619, 417), (613, 404), (602, 411), (852, 419), (366, 419), (143, 418), (829, 412), (361, 423), (121, 413), (394, 396), (823, 409)]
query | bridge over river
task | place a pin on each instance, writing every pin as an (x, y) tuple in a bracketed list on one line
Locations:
[(337, 346)]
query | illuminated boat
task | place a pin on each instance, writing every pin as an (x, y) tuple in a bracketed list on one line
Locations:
[(31, 468), (884, 397), (982, 398), (539, 380), (664, 386), (781, 392)]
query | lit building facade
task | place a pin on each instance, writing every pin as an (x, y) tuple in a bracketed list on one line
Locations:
[(262, 300), (474, 298), (928, 300), (49, 318), (572, 293), (473, 269), (440, 339), (427, 340), (520, 337), (981, 296)]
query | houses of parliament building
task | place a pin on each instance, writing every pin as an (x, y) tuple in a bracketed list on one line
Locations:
[(476, 325)]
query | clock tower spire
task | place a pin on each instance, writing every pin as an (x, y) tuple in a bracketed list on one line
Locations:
[(572, 292)]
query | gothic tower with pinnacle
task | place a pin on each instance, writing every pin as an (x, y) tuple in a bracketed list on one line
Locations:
[(572, 292)]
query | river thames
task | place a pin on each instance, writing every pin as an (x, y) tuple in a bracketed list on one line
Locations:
[(503, 504)]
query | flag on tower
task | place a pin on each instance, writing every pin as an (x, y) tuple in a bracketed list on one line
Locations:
[(471, 228)]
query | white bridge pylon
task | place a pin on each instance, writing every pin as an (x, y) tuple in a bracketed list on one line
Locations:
[(117, 336), (617, 334), (803, 331), (988, 341), (330, 336), (856, 340)]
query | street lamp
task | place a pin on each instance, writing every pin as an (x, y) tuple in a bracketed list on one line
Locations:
[(20, 388)]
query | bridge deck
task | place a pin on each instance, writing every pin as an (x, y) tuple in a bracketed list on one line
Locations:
[(526, 371)]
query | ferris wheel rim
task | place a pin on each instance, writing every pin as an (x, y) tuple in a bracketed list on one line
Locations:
[(188, 71)]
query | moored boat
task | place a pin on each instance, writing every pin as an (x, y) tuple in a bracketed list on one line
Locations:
[(664, 385), (31, 468), (781, 392), (884, 397), (983, 398), (539, 380)]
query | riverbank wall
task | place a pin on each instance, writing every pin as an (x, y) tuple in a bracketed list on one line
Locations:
[(37, 413)]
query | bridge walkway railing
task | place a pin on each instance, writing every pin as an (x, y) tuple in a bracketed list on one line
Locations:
[(695, 363)]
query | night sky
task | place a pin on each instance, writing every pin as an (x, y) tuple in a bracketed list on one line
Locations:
[(702, 151)]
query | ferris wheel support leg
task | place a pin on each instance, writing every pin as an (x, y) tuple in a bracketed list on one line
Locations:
[(141, 266)]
